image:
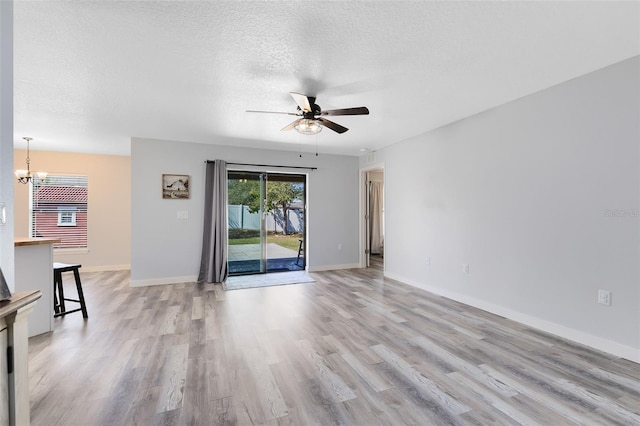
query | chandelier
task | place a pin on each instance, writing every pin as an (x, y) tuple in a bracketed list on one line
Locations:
[(25, 176)]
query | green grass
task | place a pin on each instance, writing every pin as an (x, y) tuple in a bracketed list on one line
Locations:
[(251, 236), (290, 241), (238, 241)]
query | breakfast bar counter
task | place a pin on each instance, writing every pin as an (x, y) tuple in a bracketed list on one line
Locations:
[(34, 271)]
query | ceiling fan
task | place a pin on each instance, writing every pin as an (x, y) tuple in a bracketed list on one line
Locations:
[(311, 115)]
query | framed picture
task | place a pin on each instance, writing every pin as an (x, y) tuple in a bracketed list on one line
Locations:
[(175, 187)]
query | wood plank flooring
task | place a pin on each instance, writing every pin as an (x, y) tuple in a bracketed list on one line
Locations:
[(352, 348)]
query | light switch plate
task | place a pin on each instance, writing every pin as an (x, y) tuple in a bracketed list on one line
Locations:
[(604, 297)]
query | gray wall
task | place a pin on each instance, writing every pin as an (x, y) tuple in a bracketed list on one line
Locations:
[(165, 249), (540, 198)]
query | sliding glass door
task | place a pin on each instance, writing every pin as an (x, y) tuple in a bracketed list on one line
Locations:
[(266, 222), (285, 221), (245, 201)]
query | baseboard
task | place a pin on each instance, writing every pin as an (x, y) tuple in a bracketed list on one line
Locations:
[(105, 268), (333, 267), (163, 281), (605, 345)]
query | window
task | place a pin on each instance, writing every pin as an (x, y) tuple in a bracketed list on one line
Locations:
[(58, 209), (66, 216)]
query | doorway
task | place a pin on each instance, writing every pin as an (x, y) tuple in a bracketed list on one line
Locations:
[(266, 222), (373, 218)]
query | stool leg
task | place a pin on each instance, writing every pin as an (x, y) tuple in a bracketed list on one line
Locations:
[(62, 307), (76, 275), (56, 306)]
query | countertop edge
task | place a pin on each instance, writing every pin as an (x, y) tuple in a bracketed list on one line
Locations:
[(17, 301), (34, 241)]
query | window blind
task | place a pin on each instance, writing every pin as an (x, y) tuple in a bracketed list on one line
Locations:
[(58, 209)]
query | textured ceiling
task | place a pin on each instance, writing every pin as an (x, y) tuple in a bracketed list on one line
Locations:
[(90, 75)]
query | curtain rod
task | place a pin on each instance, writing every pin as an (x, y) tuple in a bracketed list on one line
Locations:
[(268, 165)]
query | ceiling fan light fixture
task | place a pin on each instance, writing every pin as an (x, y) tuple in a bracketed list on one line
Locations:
[(308, 127)]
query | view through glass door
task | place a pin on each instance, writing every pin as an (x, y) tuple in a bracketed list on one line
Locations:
[(266, 222)]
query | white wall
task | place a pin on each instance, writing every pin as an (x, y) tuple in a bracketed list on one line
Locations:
[(6, 140), (540, 198), (167, 250)]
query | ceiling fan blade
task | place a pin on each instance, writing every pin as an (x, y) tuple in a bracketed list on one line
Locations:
[(347, 111), (273, 112), (303, 101), (312, 100), (333, 126), (291, 126)]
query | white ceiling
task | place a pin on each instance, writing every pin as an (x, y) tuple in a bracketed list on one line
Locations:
[(90, 75)]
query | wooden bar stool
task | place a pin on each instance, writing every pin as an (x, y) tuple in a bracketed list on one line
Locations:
[(300, 253), (58, 290)]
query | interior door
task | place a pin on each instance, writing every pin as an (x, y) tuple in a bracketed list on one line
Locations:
[(246, 200), (367, 220)]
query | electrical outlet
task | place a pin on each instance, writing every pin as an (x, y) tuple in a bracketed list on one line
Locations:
[(604, 297), (182, 214), (428, 261), (339, 246), (465, 268)]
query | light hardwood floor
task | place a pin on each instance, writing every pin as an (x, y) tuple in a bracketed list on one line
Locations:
[(351, 348)]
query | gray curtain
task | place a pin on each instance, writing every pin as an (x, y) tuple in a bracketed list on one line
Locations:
[(213, 266), (375, 213)]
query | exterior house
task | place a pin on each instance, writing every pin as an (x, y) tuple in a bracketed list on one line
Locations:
[(60, 212)]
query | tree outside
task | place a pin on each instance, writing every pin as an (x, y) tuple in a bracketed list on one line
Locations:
[(280, 195), (243, 191)]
